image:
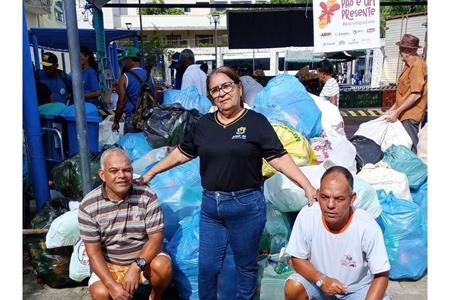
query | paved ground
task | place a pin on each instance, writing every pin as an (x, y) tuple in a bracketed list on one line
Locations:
[(398, 290), (404, 290)]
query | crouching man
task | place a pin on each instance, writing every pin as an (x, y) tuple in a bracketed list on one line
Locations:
[(337, 251), (121, 225)]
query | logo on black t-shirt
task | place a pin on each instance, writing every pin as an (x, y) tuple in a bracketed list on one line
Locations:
[(240, 134)]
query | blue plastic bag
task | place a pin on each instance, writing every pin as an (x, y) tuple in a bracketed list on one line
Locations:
[(285, 100), (189, 98), (135, 145), (420, 197), (401, 159), (183, 249), (179, 192), (404, 236)]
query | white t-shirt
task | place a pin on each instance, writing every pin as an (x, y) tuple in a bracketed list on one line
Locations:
[(251, 88), (330, 89), (352, 256), (196, 77)]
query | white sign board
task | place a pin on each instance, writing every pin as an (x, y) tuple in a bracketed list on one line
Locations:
[(346, 25)]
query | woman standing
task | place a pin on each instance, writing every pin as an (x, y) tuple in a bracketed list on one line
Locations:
[(90, 76), (231, 144)]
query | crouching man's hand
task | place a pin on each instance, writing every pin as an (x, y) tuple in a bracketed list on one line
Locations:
[(117, 292), (131, 280), (333, 286)]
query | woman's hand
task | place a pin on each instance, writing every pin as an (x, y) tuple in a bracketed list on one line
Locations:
[(143, 180), (311, 193)]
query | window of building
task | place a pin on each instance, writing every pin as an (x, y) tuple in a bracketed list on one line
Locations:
[(187, 9), (204, 40), (175, 40)]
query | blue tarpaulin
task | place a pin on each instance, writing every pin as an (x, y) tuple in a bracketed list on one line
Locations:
[(56, 38)]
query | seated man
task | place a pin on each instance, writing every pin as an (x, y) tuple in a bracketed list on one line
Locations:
[(122, 226), (337, 251)]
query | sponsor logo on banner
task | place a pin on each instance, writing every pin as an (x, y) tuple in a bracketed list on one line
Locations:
[(341, 25), (328, 10)]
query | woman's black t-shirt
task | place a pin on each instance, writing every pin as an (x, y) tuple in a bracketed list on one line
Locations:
[(231, 155)]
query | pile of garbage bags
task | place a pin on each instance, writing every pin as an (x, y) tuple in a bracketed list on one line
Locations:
[(390, 183), (66, 176)]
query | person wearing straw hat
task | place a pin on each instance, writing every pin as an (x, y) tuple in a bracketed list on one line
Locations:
[(412, 92)]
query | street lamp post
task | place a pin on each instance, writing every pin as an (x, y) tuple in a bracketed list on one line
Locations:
[(216, 20)]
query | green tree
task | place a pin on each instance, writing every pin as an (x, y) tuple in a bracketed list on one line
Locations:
[(161, 11), (398, 10)]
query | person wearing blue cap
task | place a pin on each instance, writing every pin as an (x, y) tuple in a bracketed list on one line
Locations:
[(55, 79), (130, 87)]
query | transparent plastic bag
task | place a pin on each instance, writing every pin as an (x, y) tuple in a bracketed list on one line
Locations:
[(179, 192), (404, 160), (189, 98), (404, 236), (284, 100), (64, 230), (135, 145)]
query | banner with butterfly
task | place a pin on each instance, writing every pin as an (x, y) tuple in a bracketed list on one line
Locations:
[(341, 25)]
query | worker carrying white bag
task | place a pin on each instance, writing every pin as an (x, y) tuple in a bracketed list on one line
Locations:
[(385, 133)]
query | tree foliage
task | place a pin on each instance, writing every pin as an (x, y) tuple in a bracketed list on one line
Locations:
[(390, 11), (161, 11)]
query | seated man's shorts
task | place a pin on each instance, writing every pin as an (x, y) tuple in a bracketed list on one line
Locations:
[(314, 293), (118, 272)]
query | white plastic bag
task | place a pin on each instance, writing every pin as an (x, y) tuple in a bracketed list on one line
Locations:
[(342, 152), (79, 268), (366, 197), (64, 230), (284, 194), (105, 135), (385, 133), (331, 117), (422, 145), (381, 177)]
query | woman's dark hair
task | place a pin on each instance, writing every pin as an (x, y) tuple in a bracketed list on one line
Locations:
[(91, 59), (325, 66), (187, 57), (228, 72)]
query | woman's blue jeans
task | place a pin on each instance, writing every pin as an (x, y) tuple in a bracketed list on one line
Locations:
[(236, 219)]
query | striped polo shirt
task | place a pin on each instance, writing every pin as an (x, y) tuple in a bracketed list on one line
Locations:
[(330, 89), (121, 227)]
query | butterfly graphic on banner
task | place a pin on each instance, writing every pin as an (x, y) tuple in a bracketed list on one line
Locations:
[(328, 10)]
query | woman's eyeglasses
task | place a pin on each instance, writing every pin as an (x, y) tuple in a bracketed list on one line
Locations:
[(226, 88)]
